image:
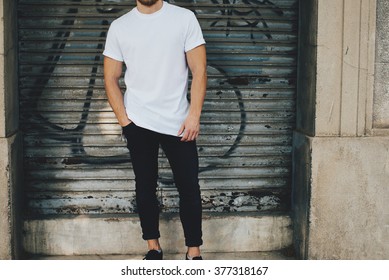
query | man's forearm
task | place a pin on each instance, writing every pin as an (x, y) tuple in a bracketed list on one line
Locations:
[(115, 99), (198, 91)]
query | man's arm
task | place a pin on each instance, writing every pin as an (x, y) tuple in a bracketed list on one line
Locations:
[(197, 63), (112, 73)]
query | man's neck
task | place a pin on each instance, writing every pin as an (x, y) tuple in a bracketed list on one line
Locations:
[(149, 9)]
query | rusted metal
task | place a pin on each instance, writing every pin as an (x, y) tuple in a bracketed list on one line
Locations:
[(75, 161)]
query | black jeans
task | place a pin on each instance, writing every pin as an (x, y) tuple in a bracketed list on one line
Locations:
[(143, 145)]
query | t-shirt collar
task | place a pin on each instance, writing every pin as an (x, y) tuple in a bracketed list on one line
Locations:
[(153, 15)]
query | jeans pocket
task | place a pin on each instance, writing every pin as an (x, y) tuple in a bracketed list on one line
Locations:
[(126, 129)]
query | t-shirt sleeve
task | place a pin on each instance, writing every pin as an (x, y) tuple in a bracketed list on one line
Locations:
[(112, 47), (194, 35)]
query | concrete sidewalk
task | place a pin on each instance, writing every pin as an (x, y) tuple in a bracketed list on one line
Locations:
[(272, 255)]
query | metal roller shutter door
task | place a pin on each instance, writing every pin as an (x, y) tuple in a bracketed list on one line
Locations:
[(75, 161)]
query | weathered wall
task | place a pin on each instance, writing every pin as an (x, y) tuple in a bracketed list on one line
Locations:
[(307, 55), (10, 141), (305, 123), (345, 48), (341, 174), (350, 189), (381, 94), (302, 165), (118, 234), (10, 197)]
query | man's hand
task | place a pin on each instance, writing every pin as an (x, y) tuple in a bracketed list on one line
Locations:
[(127, 122), (190, 128)]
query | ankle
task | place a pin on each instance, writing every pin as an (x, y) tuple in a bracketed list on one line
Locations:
[(154, 245), (193, 252)]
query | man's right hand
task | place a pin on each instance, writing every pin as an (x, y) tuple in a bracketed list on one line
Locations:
[(125, 123)]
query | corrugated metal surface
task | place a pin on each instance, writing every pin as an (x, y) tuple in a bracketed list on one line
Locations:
[(75, 161)]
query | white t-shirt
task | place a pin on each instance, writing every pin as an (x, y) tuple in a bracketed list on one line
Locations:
[(153, 47)]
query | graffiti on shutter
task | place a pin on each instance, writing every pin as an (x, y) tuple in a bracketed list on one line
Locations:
[(75, 161)]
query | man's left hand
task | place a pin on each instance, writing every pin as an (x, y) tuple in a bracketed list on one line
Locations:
[(190, 128)]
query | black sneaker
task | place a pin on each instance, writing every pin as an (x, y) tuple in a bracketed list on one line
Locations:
[(194, 258), (153, 255)]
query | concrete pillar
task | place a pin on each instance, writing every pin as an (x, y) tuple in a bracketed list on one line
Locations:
[(341, 159), (381, 96), (11, 166)]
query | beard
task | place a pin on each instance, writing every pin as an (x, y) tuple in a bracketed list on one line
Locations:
[(148, 3)]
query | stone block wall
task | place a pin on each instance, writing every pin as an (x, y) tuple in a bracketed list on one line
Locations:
[(341, 175)]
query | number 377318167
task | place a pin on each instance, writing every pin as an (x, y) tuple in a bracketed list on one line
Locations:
[(233, 270)]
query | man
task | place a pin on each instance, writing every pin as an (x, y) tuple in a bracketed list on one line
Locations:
[(158, 41)]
